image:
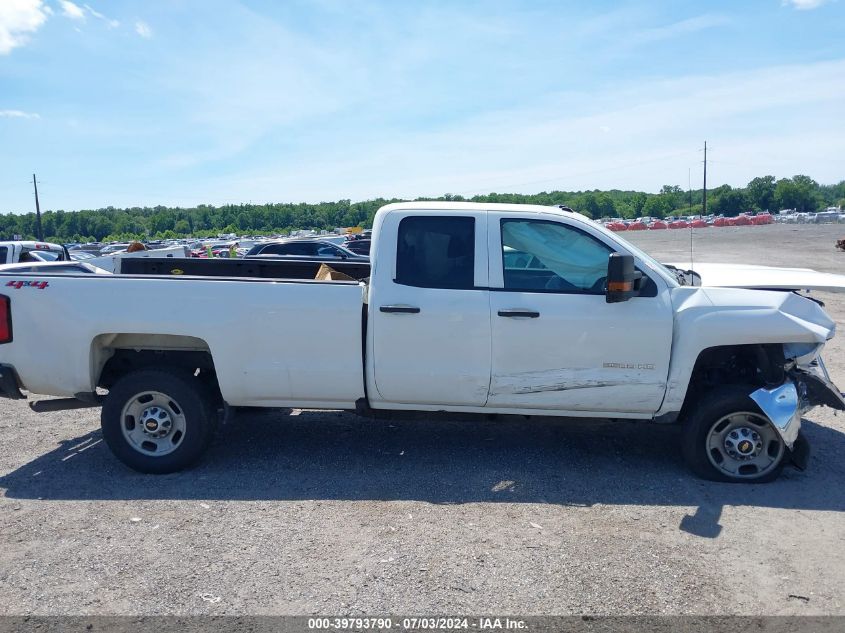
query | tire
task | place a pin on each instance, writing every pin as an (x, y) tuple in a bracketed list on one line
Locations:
[(158, 421), (719, 426)]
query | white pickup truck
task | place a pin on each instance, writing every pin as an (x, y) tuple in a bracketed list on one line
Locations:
[(471, 308), (32, 252), (32, 256)]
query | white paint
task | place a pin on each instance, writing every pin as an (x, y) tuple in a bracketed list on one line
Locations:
[(298, 343), (765, 277)]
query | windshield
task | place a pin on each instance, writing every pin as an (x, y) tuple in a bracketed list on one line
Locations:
[(45, 256), (670, 273)]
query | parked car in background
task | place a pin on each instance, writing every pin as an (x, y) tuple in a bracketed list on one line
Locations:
[(113, 248), (26, 251), (91, 247), (359, 247), (81, 256), (304, 248)]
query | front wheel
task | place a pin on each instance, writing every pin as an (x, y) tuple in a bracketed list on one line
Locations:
[(726, 437), (157, 421)]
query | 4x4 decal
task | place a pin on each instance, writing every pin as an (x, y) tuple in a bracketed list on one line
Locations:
[(17, 285)]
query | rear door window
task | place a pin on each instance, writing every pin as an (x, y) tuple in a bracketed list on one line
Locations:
[(436, 252)]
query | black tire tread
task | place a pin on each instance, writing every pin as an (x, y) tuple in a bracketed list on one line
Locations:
[(192, 395), (701, 416)]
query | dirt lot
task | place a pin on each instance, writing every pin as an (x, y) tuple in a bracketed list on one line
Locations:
[(330, 513)]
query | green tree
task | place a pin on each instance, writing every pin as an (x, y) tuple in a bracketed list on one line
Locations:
[(657, 206), (673, 193), (761, 193), (799, 193), (729, 202)]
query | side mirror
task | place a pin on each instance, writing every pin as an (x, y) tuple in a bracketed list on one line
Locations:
[(622, 278)]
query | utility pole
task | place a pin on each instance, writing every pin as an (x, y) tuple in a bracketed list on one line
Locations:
[(38, 229), (704, 204)]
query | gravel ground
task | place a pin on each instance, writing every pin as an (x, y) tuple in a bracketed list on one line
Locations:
[(328, 513)]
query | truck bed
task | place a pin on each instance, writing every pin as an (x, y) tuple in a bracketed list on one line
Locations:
[(277, 343), (221, 267)]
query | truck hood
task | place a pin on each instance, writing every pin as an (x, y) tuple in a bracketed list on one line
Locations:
[(739, 315), (764, 277)]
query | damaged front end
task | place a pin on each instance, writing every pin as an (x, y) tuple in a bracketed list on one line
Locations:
[(806, 385)]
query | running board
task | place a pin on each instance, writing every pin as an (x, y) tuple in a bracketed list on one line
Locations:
[(64, 404)]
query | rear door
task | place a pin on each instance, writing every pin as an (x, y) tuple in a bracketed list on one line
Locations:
[(556, 343), (429, 330)]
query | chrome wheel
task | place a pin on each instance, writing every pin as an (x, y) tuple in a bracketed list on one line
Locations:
[(153, 423), (744, 445)]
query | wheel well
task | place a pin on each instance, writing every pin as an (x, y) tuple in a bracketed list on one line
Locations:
[(118, 355), (755, 365)]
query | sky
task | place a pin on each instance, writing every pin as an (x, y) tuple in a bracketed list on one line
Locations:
[(182, 102)]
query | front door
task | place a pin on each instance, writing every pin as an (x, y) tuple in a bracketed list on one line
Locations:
[(556, 343)]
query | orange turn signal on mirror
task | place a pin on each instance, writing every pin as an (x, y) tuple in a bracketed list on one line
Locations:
[(620, 286)]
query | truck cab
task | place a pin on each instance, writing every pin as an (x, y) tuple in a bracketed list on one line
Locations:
[(505, 336), (28, 252)]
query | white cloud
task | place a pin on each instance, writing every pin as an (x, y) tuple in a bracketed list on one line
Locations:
[(804, 5), (143, 29), (112, 24), (71, 10), (19, 19), (683, 27), (18, 114), (753, 128)]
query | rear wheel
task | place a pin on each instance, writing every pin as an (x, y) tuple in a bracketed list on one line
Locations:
[(726, 437), (157, 421)]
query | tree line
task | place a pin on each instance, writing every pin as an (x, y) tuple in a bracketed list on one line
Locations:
[(764, 193)]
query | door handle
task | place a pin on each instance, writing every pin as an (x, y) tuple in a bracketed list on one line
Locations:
[(399, 309), (519, 313)]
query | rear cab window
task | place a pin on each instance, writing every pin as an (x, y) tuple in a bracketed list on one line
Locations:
[(436, 252)]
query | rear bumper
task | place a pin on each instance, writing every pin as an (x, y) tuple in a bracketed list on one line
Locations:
[(9, 383)]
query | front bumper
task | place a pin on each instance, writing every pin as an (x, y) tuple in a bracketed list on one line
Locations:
[(805, 388), (9, 383), (781, 406)]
